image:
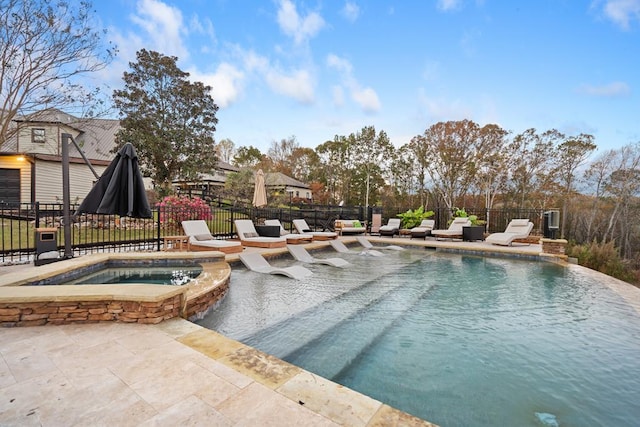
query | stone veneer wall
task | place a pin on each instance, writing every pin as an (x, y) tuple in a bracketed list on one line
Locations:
[(40, 313), (201, 303), (554, 246), (65, 312)]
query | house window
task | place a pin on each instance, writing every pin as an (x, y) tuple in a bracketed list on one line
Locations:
[(37, 135)]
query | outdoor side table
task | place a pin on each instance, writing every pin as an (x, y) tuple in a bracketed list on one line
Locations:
[(176, 243), (473, 233)]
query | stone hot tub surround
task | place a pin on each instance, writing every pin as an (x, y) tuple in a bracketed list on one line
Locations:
[(22, 305)]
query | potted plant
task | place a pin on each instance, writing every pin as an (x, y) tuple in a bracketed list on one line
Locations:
[(476, 230)]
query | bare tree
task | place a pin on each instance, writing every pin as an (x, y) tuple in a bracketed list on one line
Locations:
[(530, 155), (596, 178), (226, 150), (452, 149), (46, 47), (492, 171), (281, 154), (572, 153)]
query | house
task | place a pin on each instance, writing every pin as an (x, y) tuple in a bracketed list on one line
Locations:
[(31, 161), (277, 182), (207, 183)]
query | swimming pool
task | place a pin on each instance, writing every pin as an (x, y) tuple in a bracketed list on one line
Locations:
[(456, 340)]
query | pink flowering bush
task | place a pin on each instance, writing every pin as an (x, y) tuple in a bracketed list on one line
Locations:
[(175, 209)]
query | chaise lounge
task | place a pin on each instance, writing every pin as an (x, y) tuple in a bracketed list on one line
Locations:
[(368, 246), (200, 238), (254, 261), (292, 238), (517, 229), (303, 228), (343, 249), (454, 231), (391, 229), (302, 255), (423, 230), (250, 237)]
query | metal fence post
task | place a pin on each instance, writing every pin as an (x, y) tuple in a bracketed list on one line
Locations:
[(158, 228)]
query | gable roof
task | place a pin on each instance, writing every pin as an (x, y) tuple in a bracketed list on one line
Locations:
[(278, 179), (96, 136)]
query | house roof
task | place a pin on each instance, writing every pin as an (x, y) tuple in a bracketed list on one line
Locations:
[(96, 136), (278, 179)]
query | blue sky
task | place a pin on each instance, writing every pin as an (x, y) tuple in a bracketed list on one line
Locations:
[(316, 69)]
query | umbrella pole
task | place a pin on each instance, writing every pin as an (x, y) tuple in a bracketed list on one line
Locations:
[(66, 197)]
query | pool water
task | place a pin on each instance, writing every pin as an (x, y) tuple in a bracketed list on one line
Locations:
[(455, 340), (175, 276)]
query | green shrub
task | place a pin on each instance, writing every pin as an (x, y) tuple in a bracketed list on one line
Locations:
[(603, 257), (413, 218)]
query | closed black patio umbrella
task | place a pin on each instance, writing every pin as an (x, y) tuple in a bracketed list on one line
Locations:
[(120, 189)]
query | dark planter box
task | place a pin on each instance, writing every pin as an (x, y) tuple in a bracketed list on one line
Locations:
[(475, 232), (268, 230)]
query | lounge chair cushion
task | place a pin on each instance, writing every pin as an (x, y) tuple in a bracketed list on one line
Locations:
[(203, 237), (357, 224)]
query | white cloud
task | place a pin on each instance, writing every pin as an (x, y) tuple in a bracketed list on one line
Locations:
[(447, 5), (297, 85), (443, 110), (226, 83), (339, 64), (622, 12), (337, 95), (350, 11), (163, 25), (296, 26), (613, 89), (366, 98)]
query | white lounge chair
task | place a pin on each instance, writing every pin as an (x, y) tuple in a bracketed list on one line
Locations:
[(250, 237), (303, 228), (254, 261), (517, 229), (424, 229), (302, 255), (454, 231), (292, 238), (391, 229), (200, 238), (340, 247), (367, 245)]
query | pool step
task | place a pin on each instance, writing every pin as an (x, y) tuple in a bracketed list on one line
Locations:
[(287, 336), (338, 347)]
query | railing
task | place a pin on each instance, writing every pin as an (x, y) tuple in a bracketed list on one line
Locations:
[(99, 233)]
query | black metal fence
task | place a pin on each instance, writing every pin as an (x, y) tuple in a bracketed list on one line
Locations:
[(22, 224)]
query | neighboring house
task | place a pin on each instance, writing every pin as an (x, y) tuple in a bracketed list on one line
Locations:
[(283, 184), (207, 184), (31, 161)]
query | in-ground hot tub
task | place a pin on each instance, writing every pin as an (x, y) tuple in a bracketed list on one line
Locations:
[(132, 303)]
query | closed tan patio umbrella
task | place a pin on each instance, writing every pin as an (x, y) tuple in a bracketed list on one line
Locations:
[(260, 190)]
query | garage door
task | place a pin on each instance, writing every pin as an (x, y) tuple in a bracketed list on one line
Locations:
[(10, 185)]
